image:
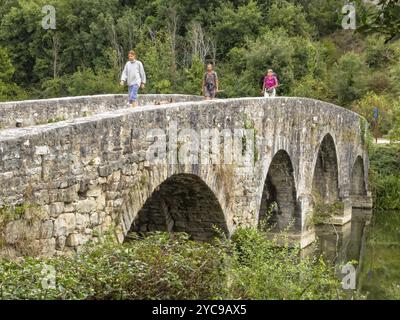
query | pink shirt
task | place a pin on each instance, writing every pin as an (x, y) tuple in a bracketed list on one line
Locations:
[(270, 82)]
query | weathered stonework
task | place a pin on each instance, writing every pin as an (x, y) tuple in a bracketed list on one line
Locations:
[(90, 174), (37, 112)]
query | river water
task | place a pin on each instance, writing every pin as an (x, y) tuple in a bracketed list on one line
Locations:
[(372, 242)]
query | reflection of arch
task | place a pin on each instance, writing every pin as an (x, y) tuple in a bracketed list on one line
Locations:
[(357, 178), (325, 185), (182, 203), (280, 188)]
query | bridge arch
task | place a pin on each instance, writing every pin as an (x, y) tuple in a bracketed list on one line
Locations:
[(279, 197), (357, 185), (325, 181), (182, 203)]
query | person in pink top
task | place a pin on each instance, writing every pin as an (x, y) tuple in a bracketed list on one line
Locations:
[(270, 84)]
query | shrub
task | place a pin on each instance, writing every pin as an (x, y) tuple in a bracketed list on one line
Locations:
[(161, 266), (262, 270), (170, 266), (385, 175)]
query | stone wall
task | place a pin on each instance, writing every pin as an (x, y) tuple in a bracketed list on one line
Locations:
[(36, 112), (74, 180)]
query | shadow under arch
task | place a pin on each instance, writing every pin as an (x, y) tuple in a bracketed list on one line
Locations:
[(182, 203), (325, 183), (358, 187), (279, 198)]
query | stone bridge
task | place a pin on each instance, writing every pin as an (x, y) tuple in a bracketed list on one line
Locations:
[(73, 168)]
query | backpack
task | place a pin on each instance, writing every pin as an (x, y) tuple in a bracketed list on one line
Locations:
[(210, 86)]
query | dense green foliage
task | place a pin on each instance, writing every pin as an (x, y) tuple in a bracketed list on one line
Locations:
[(303, 41), (385, 20), (385, 175), (170, 266)]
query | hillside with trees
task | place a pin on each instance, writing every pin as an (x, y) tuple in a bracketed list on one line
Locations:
[(303, 41)]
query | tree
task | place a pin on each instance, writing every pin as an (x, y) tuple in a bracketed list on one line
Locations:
[(325, 15), (348, 78), (310, 87), (233, 25), (247, 64), (382, 18), (365, 106), (8, 89), (291, 17)]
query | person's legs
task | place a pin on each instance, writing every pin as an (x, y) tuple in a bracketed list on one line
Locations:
[(273, 93), (207, 94), (133, 91), (129, 95), (212, 94)]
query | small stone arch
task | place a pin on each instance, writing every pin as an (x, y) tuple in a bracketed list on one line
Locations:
[(357, 184), (279, 197), (182, 203), (325, 183)]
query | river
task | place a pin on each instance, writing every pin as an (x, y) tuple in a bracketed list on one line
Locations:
[(373, 242)]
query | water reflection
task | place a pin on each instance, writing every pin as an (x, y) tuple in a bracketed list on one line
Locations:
[(342, 244), (373, 241)]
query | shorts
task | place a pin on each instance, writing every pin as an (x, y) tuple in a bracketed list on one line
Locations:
[(269, 93), (209, 93), (133, 92)]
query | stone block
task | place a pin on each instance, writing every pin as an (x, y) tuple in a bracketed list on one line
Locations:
[(46, 229), (60, 242), (64, 224), (86, 206), (56, 208)]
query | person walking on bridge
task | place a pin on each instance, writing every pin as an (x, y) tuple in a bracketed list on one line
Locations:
[(270, 84), (210, 83), (135, 77)]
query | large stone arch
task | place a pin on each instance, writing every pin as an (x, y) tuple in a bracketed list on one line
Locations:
[(325, 181), (181, 203), (280, 188), (357, 183)]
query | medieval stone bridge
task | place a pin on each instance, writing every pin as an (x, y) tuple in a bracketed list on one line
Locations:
[(73, 168)]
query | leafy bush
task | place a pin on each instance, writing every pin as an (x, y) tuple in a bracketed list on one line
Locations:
[(170, 266), (366, 105), (348, 78), (262, 270), (385, 175), (158, 267), (385, 159)]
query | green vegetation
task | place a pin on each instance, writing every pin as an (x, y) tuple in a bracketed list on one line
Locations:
[(323, 212), (384, 21), (51, 120), (170, 266), (385, 176), (302, 40)]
